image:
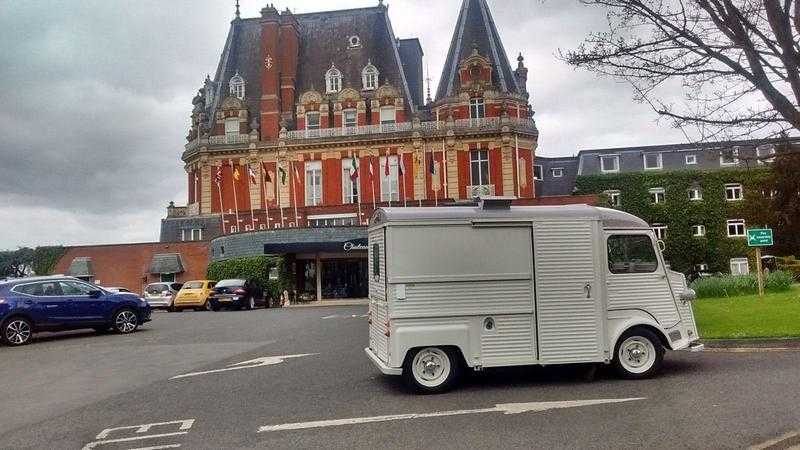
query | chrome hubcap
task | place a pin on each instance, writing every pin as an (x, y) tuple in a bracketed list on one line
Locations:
[(252, 303), (126, 321), (637, 354), (18, 332), (431, 367)]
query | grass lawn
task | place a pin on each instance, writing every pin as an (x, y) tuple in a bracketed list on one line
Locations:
[(774, 316)]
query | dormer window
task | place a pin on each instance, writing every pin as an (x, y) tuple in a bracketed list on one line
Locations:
[(353, 42), (237, 86), (333, 80), (369, 77)]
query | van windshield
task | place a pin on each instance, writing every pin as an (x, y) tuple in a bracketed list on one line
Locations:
[(631, 254)]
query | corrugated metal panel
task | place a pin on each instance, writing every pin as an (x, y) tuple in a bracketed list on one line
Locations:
[(465, 298), (649, 292), (379, 307), (377, 284), (678, 282), (378, 341), (569, 322), (511, 341)]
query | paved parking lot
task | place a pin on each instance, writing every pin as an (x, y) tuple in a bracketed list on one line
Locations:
[(299, 379)]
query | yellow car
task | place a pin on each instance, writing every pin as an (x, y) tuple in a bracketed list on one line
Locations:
[(194, 294)]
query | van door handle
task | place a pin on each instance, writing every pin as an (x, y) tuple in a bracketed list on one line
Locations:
[(588, 288)]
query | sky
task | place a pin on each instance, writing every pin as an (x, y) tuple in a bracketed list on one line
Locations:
[(96, 97)]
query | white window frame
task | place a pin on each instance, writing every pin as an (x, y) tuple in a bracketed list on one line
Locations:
[(313, 185), (479, 157), (541, 172), (236, 86), (615, 158), (349, 188), (763, 150), (737, 264), (614, 197), (557, 172), (232, 130), (477, 108), (308, 122), (194, 234), (660, 230), (695, 194), (354, 115), (333, 80), (698, 230), (691, 160), (388, 115), (390, 185), (654, 195), (332, 220), (734, 153), (735, 223), (369, 77), (735, 190), (659, 160)]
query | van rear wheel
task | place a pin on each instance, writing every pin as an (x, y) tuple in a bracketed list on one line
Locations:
[(638, 354), (431, 370)]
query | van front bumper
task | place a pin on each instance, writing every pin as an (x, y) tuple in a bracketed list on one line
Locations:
[(386, 370)]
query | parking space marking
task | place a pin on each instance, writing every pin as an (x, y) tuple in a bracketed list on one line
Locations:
[(102, 438), (346, 316), (507, 408), (252, 364)]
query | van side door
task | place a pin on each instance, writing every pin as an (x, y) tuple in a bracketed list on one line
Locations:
[(636, 278)]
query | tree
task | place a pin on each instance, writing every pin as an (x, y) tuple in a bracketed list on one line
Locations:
[(16, 263), (738, 61)]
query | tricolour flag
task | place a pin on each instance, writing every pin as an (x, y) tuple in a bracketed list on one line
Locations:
[(218, 176), (386, 170), (371, 173), (402, 165), (253, 176), (266, 173), (353, 169)]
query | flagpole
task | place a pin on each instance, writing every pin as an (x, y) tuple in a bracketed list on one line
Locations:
[(252, 213), (357, 164), (444, 170), (221, 206), (277, 190), (405, 189), (294, 187), (372, 185), (516, 161), (195, 187), (235, 200), (389, 169), (264, 192)]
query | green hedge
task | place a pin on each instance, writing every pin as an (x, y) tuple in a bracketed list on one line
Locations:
[(790, 264), (733, 286), (254, 268), (679, 213)]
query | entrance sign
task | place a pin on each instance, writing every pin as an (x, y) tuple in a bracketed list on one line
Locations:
[(760, 238), (352, 246)]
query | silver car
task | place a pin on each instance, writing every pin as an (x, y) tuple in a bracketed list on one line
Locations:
[(161, 295)]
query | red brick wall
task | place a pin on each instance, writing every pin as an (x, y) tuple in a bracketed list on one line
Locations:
[(126, 265)]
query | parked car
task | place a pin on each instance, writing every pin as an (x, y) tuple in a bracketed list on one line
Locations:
[(161, 295), (115, 289), (60, 303), (237, 294), (194, 294)]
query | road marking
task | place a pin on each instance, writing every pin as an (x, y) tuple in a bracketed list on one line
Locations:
[(184, 426), (788, 440), (158, 447), (252, 364), (507, 408), (348, 316)]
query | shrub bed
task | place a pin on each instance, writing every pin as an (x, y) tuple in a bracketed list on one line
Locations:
[(737, 285)]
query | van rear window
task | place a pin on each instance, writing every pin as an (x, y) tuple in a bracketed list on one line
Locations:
[(631, 254), (376, 260)]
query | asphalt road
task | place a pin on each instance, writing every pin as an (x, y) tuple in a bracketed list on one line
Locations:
[(118, 392)]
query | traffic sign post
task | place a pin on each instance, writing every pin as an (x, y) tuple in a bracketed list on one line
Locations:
[(759, 238)]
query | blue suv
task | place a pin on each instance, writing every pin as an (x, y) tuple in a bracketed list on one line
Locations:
[(59, 303)]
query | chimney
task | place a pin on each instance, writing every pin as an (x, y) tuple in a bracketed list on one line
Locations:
[(270, 61), (289, 37)]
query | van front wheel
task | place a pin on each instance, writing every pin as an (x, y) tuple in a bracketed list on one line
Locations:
[(639, 354), (431, 370)]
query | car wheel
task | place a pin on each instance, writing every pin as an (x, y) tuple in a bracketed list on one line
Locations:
[(207, 306), (432, 370), (16, 331), (125, 321), (638, 354)]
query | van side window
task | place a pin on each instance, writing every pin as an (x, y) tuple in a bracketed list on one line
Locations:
[(376, 260), (631, 254)]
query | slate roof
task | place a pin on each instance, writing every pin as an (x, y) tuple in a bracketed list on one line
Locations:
[(551, 186), (171, 228), (81, 267), (476, 27), (166, 263), (324, 38), (287, 240)]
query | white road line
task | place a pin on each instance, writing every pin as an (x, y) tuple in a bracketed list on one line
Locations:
[(508, 408), (184, 425), (158, 447), (92, 445), (258, 362)]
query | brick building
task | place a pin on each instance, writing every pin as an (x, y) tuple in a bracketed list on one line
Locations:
[(314, 120)]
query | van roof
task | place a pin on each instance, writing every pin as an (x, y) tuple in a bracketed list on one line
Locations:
[(611, 218)]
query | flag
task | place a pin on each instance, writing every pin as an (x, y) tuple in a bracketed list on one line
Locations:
[(296, 173), (282, 171), (353, 169), (236, 175), (253, 176), (196, 177), (432, 166), (267, 178), (386, 171), (371, 174), (218, 176), (402, 165)]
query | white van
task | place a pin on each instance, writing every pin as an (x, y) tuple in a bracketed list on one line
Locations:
[(495, 285)]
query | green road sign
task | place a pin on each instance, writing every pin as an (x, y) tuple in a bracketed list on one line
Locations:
[(759, 238)]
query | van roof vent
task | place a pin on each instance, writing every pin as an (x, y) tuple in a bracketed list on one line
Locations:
[(495, 203)]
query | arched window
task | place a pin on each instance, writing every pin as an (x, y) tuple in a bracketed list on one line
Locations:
[(237, 86), (333, 80), (369, 77)]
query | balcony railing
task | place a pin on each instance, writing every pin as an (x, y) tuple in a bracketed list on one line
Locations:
[(229, 139), (484, 190)]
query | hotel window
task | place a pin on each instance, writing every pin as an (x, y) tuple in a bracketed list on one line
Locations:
[(231, 130), (477, 108), (657, 196), (388, 115), (195, 234), (698, 230), (537, 173), (312, 121), (609, 164), (653, 161), (349, 186), (333, 80), (370, 77), (740, 266), (313, 183), (237, 86), (736, 228), (167, 278), (350, 118), (729, 157), (660, 230), (332, 220), (733, 192), (691, 160), (763, 151), (695, 193), (479, 167), (614, 198), (390, 184)]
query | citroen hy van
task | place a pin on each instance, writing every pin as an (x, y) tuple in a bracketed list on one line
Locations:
[(474, 287)]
